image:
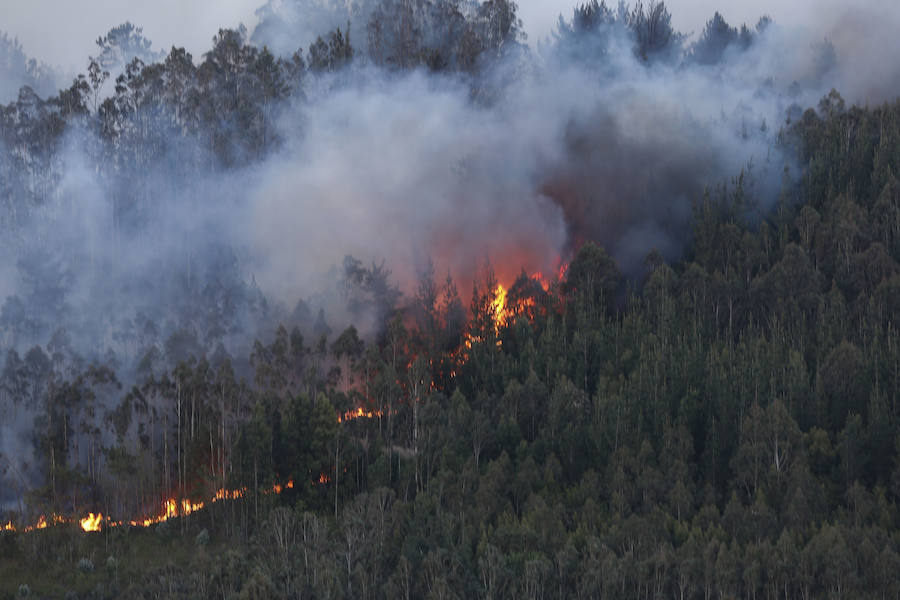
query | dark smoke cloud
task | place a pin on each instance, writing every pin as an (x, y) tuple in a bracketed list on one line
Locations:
[(409, 166), (401, 170)]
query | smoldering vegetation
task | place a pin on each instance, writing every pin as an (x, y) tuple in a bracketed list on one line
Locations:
[(166, 206)]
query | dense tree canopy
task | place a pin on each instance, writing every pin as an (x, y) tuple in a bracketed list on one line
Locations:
[(724, 425)]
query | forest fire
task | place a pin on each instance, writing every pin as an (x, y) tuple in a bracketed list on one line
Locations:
[(505, 309), (507, 303), (43, 523), (504, 304), (359, 413), (171, 508), (279, 488)]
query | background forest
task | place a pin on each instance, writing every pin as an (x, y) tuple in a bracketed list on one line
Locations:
[(683, 382)]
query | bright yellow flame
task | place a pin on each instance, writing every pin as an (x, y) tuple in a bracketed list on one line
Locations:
[(92, 522), (499, 307), (359, 413)]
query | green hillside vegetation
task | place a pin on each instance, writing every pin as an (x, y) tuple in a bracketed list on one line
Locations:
[(726, 428), (721, 425)]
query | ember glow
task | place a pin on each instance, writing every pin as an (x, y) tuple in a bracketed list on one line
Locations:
[(504, 309), (43, 522), (278, 488), (169, 509)]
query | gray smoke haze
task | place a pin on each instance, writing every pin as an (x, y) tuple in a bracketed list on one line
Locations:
[(400, 168), (18, 69), (63, 33), (403, 170), (407, 167)]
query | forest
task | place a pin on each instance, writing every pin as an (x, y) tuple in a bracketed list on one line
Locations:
[(637, 368)]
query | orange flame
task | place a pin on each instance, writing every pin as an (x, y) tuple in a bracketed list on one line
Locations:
[(43, 523), (502, 313), (359, 413), (539, 277), (169, 509)]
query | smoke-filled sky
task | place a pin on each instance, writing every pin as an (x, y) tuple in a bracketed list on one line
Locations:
[(62, 33), (694, 106)]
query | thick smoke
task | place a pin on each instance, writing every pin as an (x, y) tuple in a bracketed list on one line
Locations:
[(403, 170), (18, 70), (81, 286), (580, 140), (865, 41), (406, 167), (286, 25), (610, 149)]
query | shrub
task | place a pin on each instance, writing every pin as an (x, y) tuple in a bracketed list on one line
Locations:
[(85, 566), (163, 530), (202, 538)]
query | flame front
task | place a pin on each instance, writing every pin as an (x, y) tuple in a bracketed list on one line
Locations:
[(359, 413), (169, 509), (502, 313)]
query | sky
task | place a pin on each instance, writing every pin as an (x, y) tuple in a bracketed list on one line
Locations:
[(62, 33)]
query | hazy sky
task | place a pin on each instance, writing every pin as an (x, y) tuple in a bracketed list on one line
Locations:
[(62, 32)]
